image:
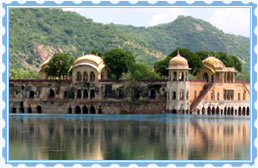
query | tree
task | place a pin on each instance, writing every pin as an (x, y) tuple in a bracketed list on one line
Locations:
[(59, 65), (142, 71), (119, 61)]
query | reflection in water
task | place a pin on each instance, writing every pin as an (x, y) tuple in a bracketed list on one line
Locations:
[(128, 138)]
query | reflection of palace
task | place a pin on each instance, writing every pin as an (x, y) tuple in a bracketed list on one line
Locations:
[(89, 91), (176, 139)]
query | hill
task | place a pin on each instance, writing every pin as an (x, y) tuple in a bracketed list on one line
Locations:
[(35, 34)]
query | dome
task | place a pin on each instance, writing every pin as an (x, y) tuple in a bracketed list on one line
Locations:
[(44, 65), (90, 60), (178, 62), (213, 62)]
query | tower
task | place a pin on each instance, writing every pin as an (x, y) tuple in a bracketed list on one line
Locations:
[(178, 85)]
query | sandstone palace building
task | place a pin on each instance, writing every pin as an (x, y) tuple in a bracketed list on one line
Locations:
[(89, 91)]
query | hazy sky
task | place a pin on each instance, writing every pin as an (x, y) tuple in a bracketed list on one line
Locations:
[(230, 20)]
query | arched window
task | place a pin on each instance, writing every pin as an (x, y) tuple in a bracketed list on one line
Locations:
[(77, 110), (31, 96), (203, 110), (228, 110), (51, 93), (79, 94), (70, 110), (217, 110), (78, 76), (213, 110), (85, 76), (85, 94), (209, 110), (84, 110), (243, 111), (247, 111), (239, 111), (13, 110), (244, 95), (92, 109), (218, 96), (205, 77), (39, 109), (174, 76), (92, 76), (232, 110), (181, 76), (92, 94)]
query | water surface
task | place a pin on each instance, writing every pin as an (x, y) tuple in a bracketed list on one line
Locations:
[(128, 137)]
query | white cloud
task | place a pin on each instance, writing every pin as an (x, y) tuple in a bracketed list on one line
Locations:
[(168, 15), (233, 21)]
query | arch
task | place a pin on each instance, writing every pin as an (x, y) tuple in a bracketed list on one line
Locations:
[(181, 95), (78, 76), (51, 93), (29, 109), (244, 95), (174, 111), (100, 110), (77, 110), (203, 110), (13, 110), (31, 95), (85, 110), (174, 76), (92, 76), (92, 109), (225, 111), (228, 111), (85, 94), (205, 77), (239, 111), (79, 94), (70, 110), (92, 94), (217, 110), (212, 95), (213, 110), (85, 76), (21, 109), (232, 110), (247, 111), (181, 76), (152, 94), (235, 111), (212, 78), (243, 112), (209, 110), (39, 109)]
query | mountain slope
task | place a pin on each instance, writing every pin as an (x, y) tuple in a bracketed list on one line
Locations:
[(37, 33)]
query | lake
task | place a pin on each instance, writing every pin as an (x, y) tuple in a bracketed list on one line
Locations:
[(128, 137)]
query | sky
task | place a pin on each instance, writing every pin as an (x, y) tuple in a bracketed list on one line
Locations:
[(229, 20)]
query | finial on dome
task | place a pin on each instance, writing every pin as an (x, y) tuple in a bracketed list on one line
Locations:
[(178, 52)]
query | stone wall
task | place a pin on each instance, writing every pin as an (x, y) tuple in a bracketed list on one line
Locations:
[(104, 97)]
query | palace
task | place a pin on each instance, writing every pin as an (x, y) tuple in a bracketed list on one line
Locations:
[(89, 91)]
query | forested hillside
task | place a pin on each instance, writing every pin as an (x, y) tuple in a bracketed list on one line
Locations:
[(35, 34)]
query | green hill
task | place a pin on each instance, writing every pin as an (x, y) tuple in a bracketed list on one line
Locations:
[(35, 34)]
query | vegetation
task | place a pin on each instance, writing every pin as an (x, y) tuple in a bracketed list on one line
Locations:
[(68, 32), (23, 74), (119, 61), (59, 65)]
